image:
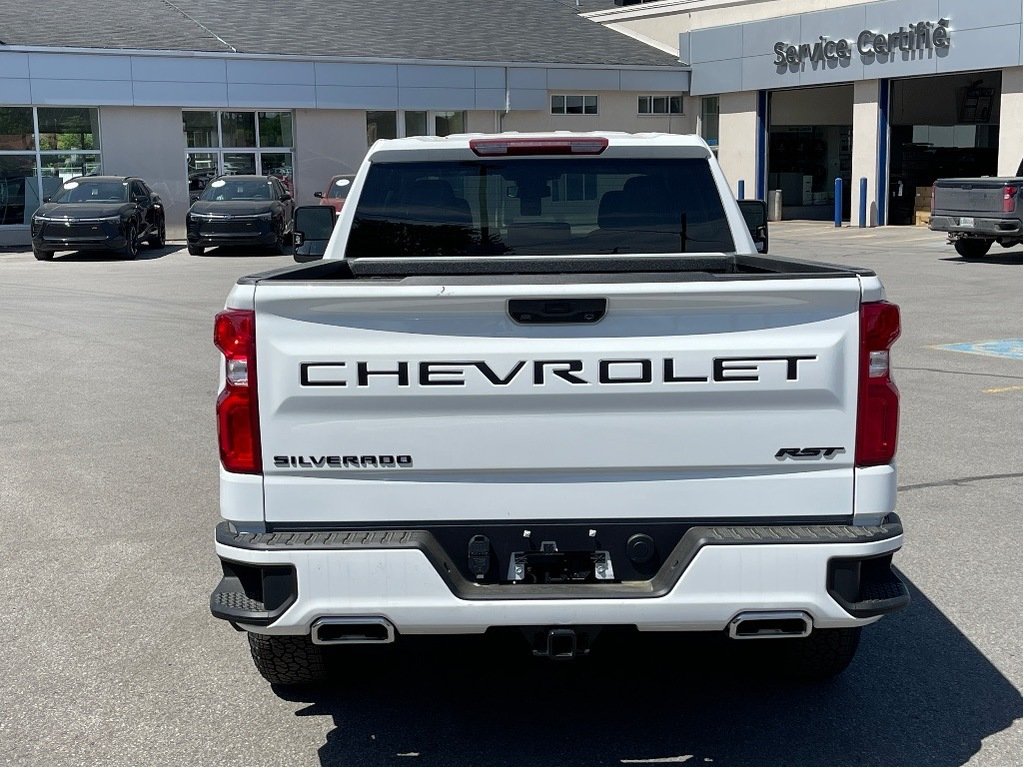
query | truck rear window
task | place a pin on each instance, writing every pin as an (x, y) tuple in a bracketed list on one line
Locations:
[(552, 206)]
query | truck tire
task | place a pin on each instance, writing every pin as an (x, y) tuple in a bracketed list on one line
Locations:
[(820, 656), (131, 242), (287, 659), (972, 247), (159, 238), (196, 250), (281, 246)]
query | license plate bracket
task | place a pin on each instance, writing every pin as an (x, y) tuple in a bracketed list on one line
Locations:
[(548, 565)]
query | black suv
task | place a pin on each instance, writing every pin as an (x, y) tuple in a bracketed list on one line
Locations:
[(109, 213), (240, 210)]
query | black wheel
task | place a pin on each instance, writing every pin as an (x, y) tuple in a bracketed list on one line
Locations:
[(196, 250), (971, 247), (160, 238), (287, 659), (821, 655), (281, 246), (42, 255), (131, 242)]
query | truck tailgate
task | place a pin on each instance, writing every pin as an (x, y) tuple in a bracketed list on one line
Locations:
[(969, 196), (428, 402)]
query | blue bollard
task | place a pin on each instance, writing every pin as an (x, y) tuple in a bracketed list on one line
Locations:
[(863, 218), (740, 190), (839, 203)]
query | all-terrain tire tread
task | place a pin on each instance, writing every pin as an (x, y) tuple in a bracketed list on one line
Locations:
[(287, 659)]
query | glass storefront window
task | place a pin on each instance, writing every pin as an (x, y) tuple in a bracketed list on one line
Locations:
[(709, 120), (240, 163), (216, 152), (415, 123), (67, 166), (34, 163), (67, 128), (16, 129), (395, 125), (381, 125), (202, 169), (573, 104), (279, 165), (19, 189), (447, 123), (238, 129), (659, 105), (275, 129), (200, 129)]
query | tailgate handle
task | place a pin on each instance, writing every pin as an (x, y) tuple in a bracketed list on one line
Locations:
[(537, 311)]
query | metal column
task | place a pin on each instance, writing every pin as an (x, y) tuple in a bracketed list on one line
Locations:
[(882, 191)]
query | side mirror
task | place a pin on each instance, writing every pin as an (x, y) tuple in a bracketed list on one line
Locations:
[(46, 199), (313, 225), (193, 198), (286, 196), (318, 194), (755, 214)]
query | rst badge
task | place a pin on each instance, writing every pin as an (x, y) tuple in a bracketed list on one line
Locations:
[(808, 453)]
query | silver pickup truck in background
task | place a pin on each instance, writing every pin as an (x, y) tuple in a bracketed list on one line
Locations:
[(978, 212)]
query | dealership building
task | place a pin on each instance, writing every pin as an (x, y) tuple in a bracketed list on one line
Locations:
[(898, 92)]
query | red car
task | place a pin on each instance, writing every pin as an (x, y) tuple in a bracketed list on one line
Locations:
[(336, 192)]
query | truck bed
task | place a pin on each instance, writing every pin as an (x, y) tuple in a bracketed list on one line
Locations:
[(570, 269)]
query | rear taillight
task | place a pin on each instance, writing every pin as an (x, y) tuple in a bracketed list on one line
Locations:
[(932, 206), (581, 145), (238, 420), (1009, 193), (878, 400)]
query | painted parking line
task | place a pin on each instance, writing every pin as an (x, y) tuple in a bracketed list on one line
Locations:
[(1000, 390), (1009, 348)]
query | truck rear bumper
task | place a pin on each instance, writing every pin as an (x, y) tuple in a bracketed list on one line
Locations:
[(980, 227), (282, 583)]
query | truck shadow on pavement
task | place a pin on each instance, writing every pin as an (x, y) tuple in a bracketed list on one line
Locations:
[(918, 693), (1007, 258)]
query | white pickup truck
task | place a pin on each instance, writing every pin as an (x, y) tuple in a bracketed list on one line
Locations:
[(545, 382)]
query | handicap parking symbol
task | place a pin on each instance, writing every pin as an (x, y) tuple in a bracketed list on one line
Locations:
[(1008, 348)]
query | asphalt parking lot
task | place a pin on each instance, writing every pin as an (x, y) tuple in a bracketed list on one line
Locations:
[(108, 498)]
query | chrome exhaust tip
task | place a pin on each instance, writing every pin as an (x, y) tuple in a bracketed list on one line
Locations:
[(342, 630), (764, 625)]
